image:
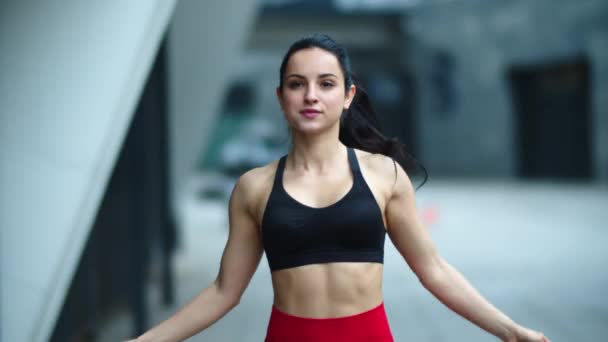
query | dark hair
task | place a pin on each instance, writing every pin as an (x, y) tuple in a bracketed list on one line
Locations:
[(359, 125)]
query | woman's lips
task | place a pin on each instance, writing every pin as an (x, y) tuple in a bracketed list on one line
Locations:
[(310, 113)]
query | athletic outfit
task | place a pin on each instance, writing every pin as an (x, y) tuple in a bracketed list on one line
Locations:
[(368, 326), (350, 230)]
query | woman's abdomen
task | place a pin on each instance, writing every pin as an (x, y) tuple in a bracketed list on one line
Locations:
[(328, 290)]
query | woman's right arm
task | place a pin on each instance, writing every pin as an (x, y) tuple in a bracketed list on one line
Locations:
[(239, 261)]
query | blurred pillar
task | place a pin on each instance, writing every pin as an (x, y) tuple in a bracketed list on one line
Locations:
[(598, 53)]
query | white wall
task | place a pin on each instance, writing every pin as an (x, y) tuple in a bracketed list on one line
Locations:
[(71, 74)]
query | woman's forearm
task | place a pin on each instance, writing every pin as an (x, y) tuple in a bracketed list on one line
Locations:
[(205, 309), (453, 290)]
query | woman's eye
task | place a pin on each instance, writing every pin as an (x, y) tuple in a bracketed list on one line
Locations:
[(327, 84), (294, 85)]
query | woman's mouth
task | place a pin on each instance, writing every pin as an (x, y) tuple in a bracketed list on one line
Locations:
[(310, 113)]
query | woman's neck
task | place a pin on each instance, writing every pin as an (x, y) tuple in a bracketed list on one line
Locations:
[(316, 153)]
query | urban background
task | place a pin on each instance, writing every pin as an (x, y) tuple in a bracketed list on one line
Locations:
[(125, 126)]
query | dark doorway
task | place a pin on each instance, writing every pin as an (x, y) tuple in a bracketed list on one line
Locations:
[(553, 120)]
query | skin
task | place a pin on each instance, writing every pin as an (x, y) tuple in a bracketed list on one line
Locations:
[(314, 79)]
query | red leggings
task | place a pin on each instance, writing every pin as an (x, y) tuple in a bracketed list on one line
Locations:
[(370, 325)]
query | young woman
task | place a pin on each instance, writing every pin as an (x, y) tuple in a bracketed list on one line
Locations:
[(321, 214)]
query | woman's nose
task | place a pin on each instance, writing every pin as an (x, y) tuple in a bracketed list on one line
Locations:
[(311, 94)]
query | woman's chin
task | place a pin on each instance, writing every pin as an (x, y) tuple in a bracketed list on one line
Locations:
[(310, 128)]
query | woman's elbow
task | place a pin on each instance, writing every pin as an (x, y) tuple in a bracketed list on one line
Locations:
[(229, 297), (234, 300), (430, 272)]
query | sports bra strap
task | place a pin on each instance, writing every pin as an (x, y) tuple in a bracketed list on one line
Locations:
[(352, 159), (278, 176)]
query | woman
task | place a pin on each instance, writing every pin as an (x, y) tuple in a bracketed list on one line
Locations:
[(321, 214)]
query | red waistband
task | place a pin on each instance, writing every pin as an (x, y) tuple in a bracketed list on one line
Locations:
[(371, 325)]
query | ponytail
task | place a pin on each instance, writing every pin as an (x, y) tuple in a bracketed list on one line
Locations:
[(360, 128)]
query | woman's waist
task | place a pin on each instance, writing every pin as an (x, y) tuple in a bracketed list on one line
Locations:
[(328, 290), (360, 325)]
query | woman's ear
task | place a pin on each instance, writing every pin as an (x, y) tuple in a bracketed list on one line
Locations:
[(280, 98), (350, 95)]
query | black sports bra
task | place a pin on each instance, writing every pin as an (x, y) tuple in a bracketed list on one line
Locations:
[(350, 230)]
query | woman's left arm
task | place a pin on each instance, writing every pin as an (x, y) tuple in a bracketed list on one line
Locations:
[(447, 284)]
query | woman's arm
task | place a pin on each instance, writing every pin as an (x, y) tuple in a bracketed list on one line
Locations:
[(447, 284), (239, 261)]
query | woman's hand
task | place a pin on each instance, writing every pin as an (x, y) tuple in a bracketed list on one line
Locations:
[(527, 335)]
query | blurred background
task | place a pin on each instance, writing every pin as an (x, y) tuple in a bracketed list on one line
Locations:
[(124, 125)]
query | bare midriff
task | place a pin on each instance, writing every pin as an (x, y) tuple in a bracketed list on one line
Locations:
[(328, 290)]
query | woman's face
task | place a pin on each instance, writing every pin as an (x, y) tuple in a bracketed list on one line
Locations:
[(313, 95)]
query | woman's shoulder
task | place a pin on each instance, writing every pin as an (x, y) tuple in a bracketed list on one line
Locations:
[(260, 174), (257, 181), (377, 162), (254, 186), (382, 168)]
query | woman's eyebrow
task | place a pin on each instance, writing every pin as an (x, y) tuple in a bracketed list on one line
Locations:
[(327, 75), (320, 75)]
